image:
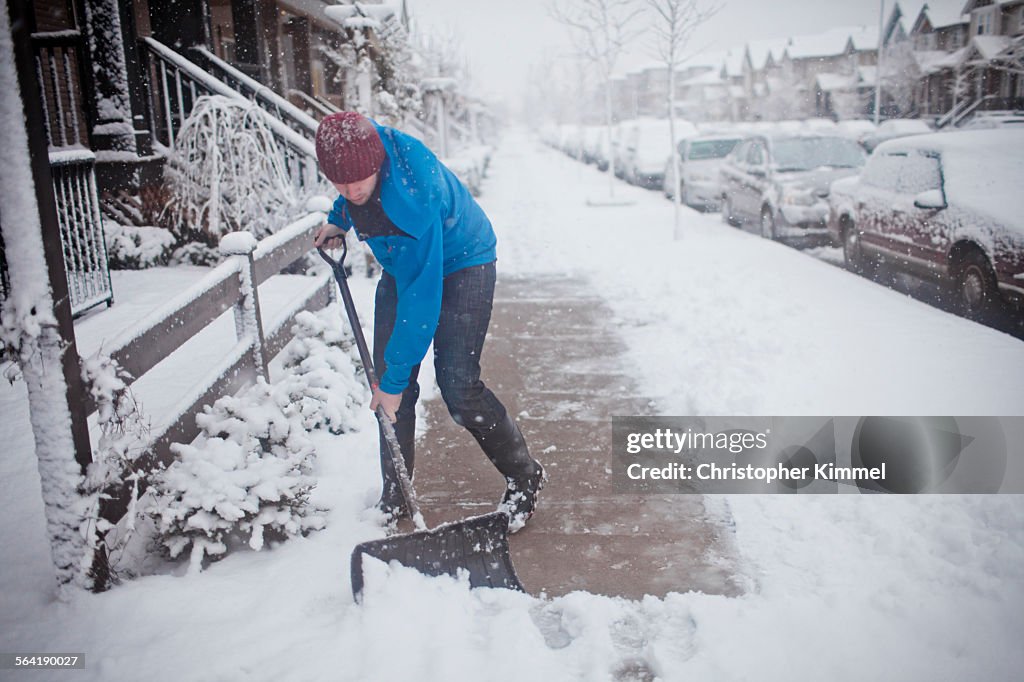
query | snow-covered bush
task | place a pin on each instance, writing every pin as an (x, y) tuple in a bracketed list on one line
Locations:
[(384, 70), (251, 469), (227, 172), (321, 381), (471, 166), (196, 253), (135, 248), (124, 436)]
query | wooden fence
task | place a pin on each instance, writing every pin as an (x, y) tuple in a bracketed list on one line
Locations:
[(234, 284)]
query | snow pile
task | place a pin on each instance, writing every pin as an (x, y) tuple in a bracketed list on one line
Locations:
[(470, 165), (227, 172), (250, 470), (136, 248)]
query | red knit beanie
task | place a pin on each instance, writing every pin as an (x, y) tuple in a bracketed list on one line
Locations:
[(348, 147)]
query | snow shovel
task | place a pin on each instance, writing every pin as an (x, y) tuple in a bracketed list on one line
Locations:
[(477, 545)]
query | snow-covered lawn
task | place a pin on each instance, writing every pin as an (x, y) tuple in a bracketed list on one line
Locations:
[(843, 587)]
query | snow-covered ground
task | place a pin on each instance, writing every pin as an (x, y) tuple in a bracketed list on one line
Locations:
[(843, 587)]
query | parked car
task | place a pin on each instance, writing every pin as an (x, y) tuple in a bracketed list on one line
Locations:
[(894, 128), (986, 120), (572, 143), (620, 132), (645, 145), (700, 162), (947, 206), (596, 149), (780, 182), (820, 125), (856, 128)]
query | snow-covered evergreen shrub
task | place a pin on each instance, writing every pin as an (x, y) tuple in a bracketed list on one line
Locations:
[(397, 89), (251, 469), (135, 248), (196, 253), (227, 172), (248, 472), (388, 63), (321, 381)]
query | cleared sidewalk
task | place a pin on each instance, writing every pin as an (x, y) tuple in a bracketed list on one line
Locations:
[(555, 362)]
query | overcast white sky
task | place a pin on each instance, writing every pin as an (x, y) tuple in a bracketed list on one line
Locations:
[(502, 38)]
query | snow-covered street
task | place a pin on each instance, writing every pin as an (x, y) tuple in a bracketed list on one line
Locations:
[(721, 322), (724, 322)]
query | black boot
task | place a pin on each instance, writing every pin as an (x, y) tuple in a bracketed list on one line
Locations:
[(392, 502), (520, 498), (505, 446)]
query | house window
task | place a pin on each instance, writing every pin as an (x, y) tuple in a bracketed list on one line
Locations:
[(986, 21)]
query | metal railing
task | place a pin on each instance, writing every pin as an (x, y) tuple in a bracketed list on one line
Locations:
[(314, 104), (967, 108), (250, 88), (81, 228), (175, 85)]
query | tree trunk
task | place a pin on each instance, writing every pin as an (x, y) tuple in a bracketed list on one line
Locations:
[(677, 229), (608, 129)]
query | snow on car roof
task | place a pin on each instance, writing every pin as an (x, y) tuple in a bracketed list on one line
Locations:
[(982, 170)]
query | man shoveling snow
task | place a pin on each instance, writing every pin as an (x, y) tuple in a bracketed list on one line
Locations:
[(437, 250)]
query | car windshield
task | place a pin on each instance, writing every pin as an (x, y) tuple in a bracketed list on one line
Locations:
[(710, 149), (808, 153)]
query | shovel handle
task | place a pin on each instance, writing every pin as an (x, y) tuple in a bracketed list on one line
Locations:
[(390, 439)]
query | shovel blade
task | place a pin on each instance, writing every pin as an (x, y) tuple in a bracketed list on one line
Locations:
[(478, 545)]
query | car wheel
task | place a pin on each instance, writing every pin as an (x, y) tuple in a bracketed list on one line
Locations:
[(976, 286), (727, 214), (768, 224), (853, 255)]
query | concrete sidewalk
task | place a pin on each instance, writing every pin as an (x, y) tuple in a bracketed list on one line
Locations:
[(554, 361)]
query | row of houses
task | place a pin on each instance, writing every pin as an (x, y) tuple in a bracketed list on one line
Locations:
[(942, 60)]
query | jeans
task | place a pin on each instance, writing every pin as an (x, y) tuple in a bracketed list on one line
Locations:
[(466, 301)]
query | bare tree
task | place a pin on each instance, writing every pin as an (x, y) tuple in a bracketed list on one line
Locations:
[(600, 30), (674, 23), (850, 101), (900, 75)]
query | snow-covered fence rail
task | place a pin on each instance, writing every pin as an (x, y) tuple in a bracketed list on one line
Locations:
[(231, 285), (175, 85), (81, 228)]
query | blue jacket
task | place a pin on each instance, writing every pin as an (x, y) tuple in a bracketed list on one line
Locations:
[(448, 231)]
